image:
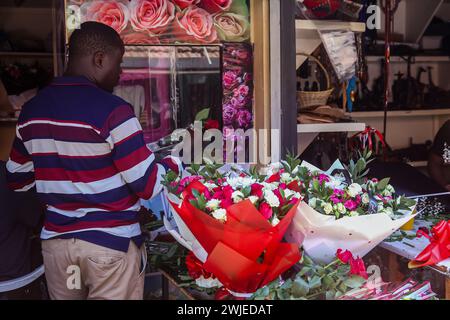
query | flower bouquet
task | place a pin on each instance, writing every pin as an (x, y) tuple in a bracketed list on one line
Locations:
[(342, 208), (233, 224)]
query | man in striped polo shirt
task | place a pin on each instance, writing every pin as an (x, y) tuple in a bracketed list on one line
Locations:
[(83, 151)]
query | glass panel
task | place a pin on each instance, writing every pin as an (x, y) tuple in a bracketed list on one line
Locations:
[(166, 21), (168, 85)]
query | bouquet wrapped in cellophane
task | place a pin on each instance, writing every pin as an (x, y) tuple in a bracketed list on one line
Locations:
[(342, 208), (233, 223)]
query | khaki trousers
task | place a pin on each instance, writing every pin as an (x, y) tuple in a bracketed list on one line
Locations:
[(79, 270)]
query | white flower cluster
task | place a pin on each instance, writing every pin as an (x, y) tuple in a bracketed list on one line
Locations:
[(220, 214), (240, 182), (208, 283), (271, 198)]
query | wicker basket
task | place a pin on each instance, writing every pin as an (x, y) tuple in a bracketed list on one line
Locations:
[(307, 99)]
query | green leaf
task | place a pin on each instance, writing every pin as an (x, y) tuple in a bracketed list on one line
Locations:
[(202, 115), (354, 282), (315, 283), (383, 184), (196, 193), (300, 288)]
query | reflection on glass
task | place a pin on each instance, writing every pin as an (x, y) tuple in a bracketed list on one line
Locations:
[(168, 85)]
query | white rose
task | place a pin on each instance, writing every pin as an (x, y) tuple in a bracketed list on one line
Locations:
[(237, 196), (327, 207), (275, 221), (213, 204), (220, 214), (312, 202), (285, 177), (208, 283), (354, 213), (365, 198), (354, 189), (253, 199), (271, 199), (341, 208)]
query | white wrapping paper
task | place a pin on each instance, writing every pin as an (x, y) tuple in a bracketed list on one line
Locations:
[(322, 235)]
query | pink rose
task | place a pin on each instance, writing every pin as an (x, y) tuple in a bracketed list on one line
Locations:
[(229, 79), (183, 4), (265, 210), (151, 15), (114, 14), (242, 91), (214, 6), (195, 24)]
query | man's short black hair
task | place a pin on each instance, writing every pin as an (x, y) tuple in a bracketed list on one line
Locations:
[(92, 37)]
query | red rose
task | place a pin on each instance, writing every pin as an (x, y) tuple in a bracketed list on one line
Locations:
[(112, 13), (194, 23), (358, 268), (265, 210), (183, 4), (345, 256), (274, 178), (211, 124), (153, 16), (256, 190), (214, 6)]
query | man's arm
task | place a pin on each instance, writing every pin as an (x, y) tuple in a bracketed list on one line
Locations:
[(132, 158), (20, 168)]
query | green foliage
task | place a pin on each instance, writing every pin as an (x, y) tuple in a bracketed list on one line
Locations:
[(313, 281), (202, 115)]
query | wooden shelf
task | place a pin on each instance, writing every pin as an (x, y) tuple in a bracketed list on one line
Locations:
[(331, 127), (329, 25), (400, 113)]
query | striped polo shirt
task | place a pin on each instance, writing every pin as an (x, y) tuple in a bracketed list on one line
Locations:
[(83, 151)]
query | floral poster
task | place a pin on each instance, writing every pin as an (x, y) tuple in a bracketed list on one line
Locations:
[(166, 21), (237, 87)]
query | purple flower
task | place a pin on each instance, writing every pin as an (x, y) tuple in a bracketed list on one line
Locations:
[(244, 118), (229, 114), (350, 205), (237, 103)]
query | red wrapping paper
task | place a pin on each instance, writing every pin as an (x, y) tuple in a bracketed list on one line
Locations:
[(235, 247), (438, 249)]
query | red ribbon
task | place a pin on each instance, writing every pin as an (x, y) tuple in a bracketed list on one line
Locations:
[(438, 249), (246, 252), (367, 133)]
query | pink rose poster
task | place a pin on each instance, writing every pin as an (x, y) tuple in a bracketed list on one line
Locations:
[(141, 22)]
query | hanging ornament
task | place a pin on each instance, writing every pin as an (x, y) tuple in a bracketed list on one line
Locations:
[(322, 8)]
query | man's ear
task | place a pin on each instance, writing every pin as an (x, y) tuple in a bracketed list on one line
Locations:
[(99, 58)]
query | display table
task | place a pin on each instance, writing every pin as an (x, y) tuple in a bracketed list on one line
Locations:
[(409, 249)]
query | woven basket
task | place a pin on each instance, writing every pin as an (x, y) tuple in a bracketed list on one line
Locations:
[(307, 99)]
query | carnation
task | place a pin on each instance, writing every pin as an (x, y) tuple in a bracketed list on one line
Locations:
[(271, 198), (341, 208), (220, 214), (213, 204)]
